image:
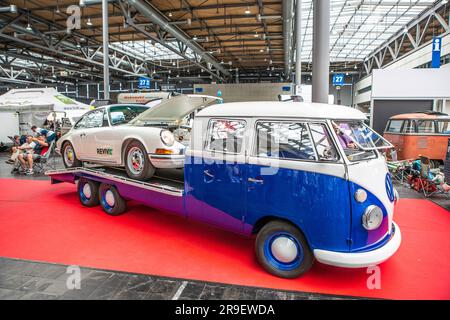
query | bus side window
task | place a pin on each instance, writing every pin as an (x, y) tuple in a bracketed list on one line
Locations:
[(425, 126), (409, 127), (443, 126), (394, 126), (284, 140), (225, 136), (323, 143)]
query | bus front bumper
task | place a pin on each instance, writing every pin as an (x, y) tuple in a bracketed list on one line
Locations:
[(362, 259)]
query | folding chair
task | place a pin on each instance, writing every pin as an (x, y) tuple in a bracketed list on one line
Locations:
[(426, 182), (43, 162)]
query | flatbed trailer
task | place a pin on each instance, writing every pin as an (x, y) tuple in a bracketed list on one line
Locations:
[(164, 191)]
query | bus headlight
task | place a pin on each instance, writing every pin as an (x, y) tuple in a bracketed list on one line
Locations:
[(167, 137), (360, 195), (372, 217)]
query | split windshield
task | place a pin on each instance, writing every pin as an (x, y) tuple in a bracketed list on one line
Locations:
[(358, 140)]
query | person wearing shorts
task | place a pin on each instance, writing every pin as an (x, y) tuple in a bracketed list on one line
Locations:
[(40, 145)]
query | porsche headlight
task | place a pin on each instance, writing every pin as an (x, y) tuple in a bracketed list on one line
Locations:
[(372, 217), (167, 137)]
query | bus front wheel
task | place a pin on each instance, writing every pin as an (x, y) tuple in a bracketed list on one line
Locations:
[(282, 250)]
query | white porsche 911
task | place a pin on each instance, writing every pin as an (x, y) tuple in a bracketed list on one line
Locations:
[(114, 136)]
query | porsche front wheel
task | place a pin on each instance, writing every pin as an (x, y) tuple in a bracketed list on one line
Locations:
[(137, 162)]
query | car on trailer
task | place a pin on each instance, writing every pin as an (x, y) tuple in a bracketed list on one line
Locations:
[(307, 186), (137, 137)]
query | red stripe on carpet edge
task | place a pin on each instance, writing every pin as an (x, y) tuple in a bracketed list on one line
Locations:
[(46, 223)]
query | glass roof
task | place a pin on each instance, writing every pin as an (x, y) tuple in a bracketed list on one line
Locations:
[(358, 27), (147, 49)]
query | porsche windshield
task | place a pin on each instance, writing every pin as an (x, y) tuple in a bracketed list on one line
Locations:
[(358, 140), (124, 114)]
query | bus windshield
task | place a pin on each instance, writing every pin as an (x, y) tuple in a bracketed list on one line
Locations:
[(358, 140)]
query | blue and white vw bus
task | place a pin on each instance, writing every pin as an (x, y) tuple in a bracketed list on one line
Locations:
[(307, 179)]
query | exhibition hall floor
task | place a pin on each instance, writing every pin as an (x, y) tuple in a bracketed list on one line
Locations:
[(41, 222)]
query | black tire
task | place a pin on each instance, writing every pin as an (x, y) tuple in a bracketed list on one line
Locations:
[(280, 229), (75, 163), (148, 169), (88, 198), (119, 204)]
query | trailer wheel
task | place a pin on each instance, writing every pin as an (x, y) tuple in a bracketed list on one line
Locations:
[(137, 163), (88, 192), (111, 201), (282, 250)]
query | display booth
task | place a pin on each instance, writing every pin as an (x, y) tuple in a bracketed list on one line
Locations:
[(33, 106)]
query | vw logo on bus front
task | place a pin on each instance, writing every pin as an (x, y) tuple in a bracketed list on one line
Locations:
[(390, 188)]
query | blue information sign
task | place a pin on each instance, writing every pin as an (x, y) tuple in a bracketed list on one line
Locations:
[(436, 52), (338, 79), (143, 83)]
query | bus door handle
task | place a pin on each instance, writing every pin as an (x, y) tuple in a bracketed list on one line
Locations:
[(260, 181), (209, 174)]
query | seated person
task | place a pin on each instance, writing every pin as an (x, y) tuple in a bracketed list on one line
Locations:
[(27, 146), (39, 148), (14, 150), (48, 134), (344, 140)]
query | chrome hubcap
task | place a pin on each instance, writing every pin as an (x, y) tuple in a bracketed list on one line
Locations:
[(109, 198), (284, 249), (87, 191), (136, 160)]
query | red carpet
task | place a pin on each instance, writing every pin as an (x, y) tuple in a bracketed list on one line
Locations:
[(46, 223)]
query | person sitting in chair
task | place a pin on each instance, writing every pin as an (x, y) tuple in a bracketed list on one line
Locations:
[(48, 134), (40, 147), (15, 150)]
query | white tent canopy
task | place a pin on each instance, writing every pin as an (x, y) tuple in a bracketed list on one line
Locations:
[(39, 98), (35, 105)]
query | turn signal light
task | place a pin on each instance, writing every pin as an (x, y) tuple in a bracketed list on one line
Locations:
[(163, 151)]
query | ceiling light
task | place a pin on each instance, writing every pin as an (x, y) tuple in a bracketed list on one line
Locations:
[(170, 14), (256, 35), (89, 22), (247, 11), (355, 67), (195, 38), (29, 28)]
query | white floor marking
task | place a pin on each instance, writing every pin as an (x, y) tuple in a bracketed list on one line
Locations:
[(180, 290)]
